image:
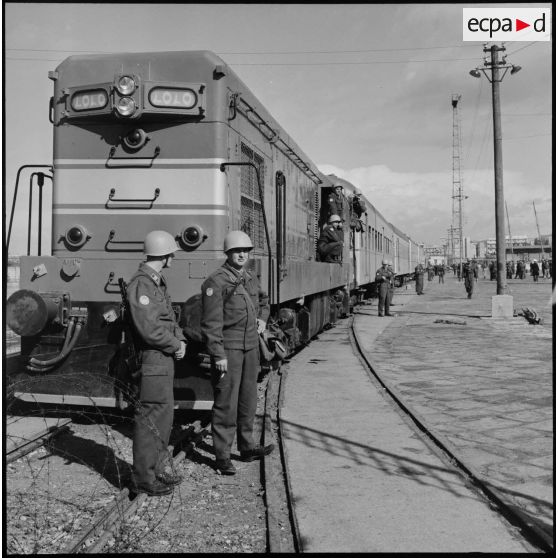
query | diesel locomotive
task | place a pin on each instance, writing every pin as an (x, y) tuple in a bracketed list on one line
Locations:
[(175, 141)]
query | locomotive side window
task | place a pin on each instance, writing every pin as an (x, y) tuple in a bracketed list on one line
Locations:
[(251, 217)]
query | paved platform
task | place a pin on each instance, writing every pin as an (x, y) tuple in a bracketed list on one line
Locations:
[(361, 479), (485, 386)]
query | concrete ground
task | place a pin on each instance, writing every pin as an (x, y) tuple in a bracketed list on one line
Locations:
[(484, 385), (363, 481)]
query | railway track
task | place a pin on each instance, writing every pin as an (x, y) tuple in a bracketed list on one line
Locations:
[(24, 437), (109, 516), (97, 535), (444, 449)]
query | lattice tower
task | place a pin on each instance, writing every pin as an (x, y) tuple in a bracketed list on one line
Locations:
[(456, 231)]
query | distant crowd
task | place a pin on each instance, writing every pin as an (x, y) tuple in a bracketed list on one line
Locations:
[(514, 269)]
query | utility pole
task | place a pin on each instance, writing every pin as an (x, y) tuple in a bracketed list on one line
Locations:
[(538, 230), (495, 65), (457, 190)]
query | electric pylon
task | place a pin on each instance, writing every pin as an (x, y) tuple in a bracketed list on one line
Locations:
[(457, 191)]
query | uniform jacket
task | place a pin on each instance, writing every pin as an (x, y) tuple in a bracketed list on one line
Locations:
[(330, 242), (152, 313), (384, 272), (337, 205), (231, 304), (468, 270)]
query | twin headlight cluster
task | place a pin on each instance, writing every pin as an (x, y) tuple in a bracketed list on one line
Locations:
[(126, 105), (190, 237)]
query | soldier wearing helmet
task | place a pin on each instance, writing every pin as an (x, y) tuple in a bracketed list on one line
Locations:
[(161, 341), (234, 312), (469, 277), (384, 276), (535, 270), (330, 243), (419, 279), (336, 202)]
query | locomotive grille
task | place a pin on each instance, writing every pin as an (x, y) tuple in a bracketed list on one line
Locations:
[(251, 213)]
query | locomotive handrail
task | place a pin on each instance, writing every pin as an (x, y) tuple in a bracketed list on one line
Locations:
[(15, 195), (111, 283), (150, 201), (276, 139), (110, 240), (124, 162)]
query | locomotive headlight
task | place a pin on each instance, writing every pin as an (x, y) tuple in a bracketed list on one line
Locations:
[(126, 106), (76, 236), (135, 139), (126, 85), (192, 236)]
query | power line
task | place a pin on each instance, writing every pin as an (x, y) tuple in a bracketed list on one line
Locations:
[(267, 52), (293, 63)]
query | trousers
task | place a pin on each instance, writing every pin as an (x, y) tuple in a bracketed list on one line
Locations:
[(383, 298), (153, 416), (235, 398)]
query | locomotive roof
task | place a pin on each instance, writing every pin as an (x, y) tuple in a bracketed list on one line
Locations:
[(169, 65)]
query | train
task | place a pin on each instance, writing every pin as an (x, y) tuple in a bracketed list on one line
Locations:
[(175, 141)]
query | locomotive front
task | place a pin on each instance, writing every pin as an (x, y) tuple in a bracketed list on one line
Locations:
[(138, 144)]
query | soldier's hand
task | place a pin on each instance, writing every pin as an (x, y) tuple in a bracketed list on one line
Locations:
[(261, 326), (181, 352), (221, 366)]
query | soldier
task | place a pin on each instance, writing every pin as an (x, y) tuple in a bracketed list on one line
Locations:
[(419, 279), (358, 206), (441, 273), (535, 270), (234, 312), (161, 341), (330, 243), (469, 277), (383, 277), (430, 270), (544, 266), (492, 269), (336, 202)]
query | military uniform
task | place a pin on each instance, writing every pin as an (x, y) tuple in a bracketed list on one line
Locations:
[(535, 270), (336, 204), (159, 338), (232, 301), (469, 277), (383, 277), (419, 279), (330, 244)]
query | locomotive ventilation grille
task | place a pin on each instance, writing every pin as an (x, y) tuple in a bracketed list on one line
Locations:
[(251, 212)]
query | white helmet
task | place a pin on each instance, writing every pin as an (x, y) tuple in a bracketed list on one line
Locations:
[(333, 218), (159, 243), (237, 239), (385, 262)]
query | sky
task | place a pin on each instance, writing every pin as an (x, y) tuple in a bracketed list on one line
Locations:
[(365, 90)]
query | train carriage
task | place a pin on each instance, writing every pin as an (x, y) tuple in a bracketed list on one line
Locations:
[(172, 141)]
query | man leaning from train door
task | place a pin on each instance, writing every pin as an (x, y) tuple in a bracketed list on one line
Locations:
[(234, 312), (161, 341)]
